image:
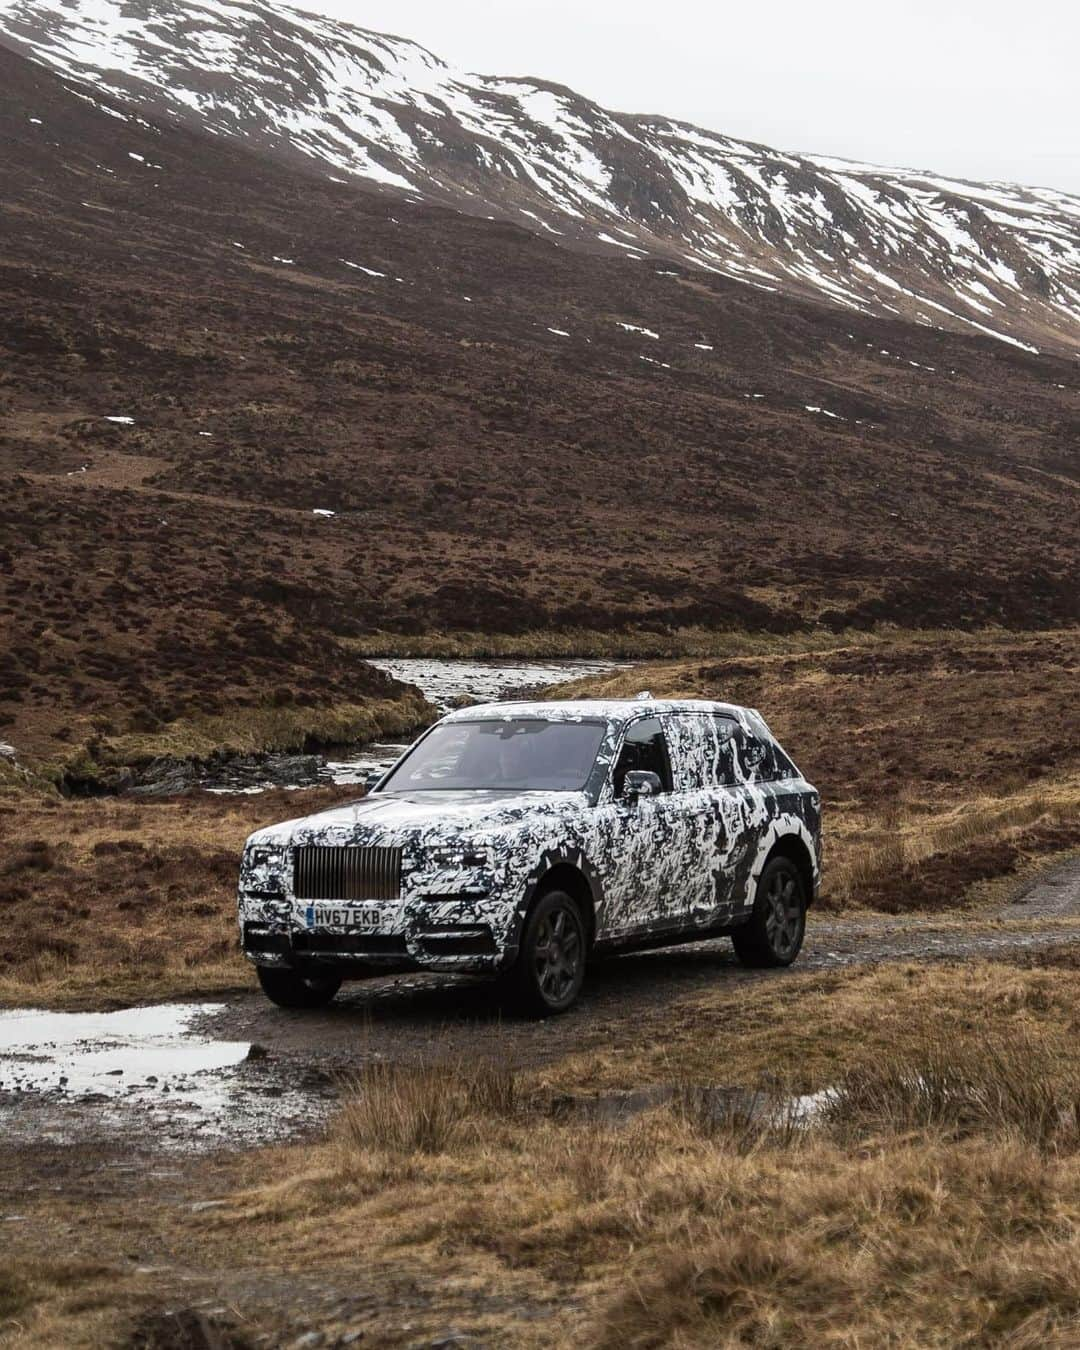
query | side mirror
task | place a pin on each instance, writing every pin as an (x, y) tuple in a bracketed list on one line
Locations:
[(641, 783), (371, 779)]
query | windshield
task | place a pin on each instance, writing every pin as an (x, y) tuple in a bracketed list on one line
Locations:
[(523, 755)]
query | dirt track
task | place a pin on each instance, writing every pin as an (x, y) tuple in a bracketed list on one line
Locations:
[(293, 1078), (396, 1018)]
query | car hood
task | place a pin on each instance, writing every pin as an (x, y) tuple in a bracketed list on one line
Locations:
[(382, 817)]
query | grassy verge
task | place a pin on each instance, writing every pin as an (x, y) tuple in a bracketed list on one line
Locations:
[(249, 731), (643, 644)]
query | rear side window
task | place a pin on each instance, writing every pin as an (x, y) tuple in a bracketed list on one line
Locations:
[(785, 766), (643, 748), (713, 750), (755, 757), (703, 750)]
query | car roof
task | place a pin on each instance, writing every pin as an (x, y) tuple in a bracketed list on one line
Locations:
[(586, 709)]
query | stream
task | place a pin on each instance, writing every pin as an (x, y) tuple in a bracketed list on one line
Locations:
[(444, 682)]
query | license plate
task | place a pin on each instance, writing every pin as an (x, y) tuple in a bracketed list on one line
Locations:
[(366, 918)]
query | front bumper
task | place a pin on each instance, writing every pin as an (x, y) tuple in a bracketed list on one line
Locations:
[(432, 939)]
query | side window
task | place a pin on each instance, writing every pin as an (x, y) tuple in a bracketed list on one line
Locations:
[(785, 767), (755, 758), (643, 748), (702, 749), (723, 774)]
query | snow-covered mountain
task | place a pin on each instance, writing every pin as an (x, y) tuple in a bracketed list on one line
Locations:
[(987, 258)]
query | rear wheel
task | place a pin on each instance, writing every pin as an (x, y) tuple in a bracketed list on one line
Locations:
[(550, 967), (291, 989), (774, 934)]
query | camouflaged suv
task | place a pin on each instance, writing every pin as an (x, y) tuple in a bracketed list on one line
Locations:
[(518, 840)]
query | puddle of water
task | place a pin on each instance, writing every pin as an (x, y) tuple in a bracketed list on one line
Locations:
[(144, 1073), (711, 1105), (136, 1053)]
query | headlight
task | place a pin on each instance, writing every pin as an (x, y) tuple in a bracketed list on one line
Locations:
[(266, 855), (458, 855)]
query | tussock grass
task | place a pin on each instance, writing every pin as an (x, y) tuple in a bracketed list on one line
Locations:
[(742, 1120), (424, 1107), (1018, 1087), (934, 1202)]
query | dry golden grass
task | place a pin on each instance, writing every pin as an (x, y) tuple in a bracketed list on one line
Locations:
[(935, 1202), (422, 1108), (1026, 1090), (918, 857), (804, 1031), (115, 900)]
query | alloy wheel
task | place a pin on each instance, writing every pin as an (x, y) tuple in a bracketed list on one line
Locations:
[(558, 954), (783, 917)]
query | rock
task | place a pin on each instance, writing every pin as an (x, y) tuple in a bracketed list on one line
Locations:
[(164, 778), (309, 1341)]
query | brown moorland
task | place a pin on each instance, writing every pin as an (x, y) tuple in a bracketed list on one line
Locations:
[(166, 588), (489, 475)]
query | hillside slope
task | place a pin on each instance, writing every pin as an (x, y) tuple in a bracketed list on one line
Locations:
[(989, 258), (202, 350)]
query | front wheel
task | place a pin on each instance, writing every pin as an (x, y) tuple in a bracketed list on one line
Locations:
[(549, 971), (291, 989), (774, 934)]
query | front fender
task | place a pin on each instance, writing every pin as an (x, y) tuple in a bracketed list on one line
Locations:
[(560, 856)]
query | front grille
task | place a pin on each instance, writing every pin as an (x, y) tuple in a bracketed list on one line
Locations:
[(329, 872), (350, 944)]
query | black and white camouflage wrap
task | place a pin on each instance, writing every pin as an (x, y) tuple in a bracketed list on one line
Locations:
[(672, 867)]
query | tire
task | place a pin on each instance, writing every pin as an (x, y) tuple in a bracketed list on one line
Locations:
[(291, 989), (774, 934), (549, 971)]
